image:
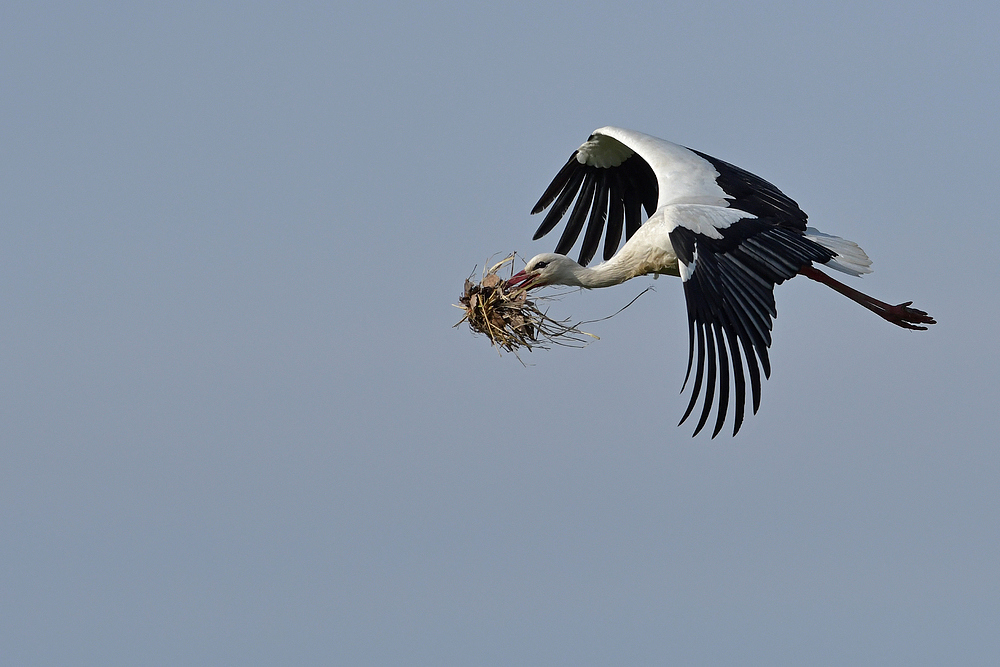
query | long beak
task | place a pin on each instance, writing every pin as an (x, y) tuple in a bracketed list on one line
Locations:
[(518, 278)]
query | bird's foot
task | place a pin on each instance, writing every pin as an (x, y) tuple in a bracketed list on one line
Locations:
[(903, 316)]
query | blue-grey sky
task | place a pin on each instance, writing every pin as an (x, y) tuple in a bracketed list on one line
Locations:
[(238, 428)]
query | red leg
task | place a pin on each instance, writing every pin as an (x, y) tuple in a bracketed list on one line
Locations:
[(901, 315)]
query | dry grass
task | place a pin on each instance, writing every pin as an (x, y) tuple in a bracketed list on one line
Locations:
[(510, 319)]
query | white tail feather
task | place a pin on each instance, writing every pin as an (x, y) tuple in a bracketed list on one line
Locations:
[(850, 258)]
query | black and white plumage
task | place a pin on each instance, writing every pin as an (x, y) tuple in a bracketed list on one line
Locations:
[(729, 235)]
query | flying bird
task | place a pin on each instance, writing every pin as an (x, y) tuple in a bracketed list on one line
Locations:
[(729, 235)]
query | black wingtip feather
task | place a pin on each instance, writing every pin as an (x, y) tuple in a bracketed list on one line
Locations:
[(699, 370), (598, 216), (571, 232), (616, 216), (561, 205), (687, 373), (739, 403), (723, 379), (710, 380), (558, 183)]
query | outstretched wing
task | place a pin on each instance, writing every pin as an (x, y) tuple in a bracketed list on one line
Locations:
[(729, 272), (613, 183), (617, 173)]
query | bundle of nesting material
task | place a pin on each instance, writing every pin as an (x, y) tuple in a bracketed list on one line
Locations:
[(509, 318)]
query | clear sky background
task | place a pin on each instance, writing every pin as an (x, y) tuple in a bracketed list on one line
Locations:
[(238, 427)]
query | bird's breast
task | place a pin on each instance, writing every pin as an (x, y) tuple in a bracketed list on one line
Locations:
[(643, 259), (650, 251)]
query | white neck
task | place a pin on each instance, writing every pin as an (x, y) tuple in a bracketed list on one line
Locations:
[(607, 274)]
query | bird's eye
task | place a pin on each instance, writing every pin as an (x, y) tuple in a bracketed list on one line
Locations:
[(541, 265)]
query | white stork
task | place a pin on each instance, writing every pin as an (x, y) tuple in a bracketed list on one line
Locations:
[(729, 235)]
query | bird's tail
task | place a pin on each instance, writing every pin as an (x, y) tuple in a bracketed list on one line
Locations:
[(850, 258)]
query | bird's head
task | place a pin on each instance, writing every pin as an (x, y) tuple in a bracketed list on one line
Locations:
[(547, 269)]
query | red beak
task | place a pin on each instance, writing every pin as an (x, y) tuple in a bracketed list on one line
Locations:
[(518, 278)]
